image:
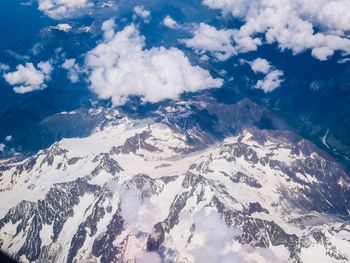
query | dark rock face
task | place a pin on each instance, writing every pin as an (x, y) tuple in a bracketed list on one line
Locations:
[(135, 143), (259, 232), (103, 245), (107, 163), (318, 194), (156, 239), (51, 153), (54, 210), (176, 207), (73, 160), (256, 208), (147, 186), (315, 194), (216, 121), (5, 258), (89, 224), (240, 177)]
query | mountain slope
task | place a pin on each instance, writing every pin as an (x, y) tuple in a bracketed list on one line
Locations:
[(197, 182)]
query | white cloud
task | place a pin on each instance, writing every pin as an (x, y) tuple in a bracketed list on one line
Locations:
[(28, 78), (108, 29), (217, 42), (8, 138), (170, 22), (130, 205), (246, 43), (272, 81), (334, 15), (120, 67), (212, 240), (17, 55), (204, 58), (273, 77), (74, 70), (45, 68), (2, 147), (139, 213), (344, 60), (58, 9), (149, 257), (260, 65), (4, 67), (298, 25), (140, 11), (223, 43), (322, 53)]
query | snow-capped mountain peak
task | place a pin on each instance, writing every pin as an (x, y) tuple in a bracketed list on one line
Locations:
[(164, 188)]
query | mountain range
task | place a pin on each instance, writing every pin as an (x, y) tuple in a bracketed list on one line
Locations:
[(193, 181)]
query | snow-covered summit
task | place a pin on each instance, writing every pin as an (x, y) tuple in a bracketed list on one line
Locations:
[(204, 183)]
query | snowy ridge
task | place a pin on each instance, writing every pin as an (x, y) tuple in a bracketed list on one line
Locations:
[(166, 189)]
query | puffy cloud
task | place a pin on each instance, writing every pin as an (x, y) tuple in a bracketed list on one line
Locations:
[(140, 11), (273, 77), (322, 53), (28, 78), (271, 81), (108, 29), (74, 70), (246, 43), (334, 15), (298, 25), (58, 9), (217, 42), (120, 67), (170, 22), (223, 43), (260, 65)]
